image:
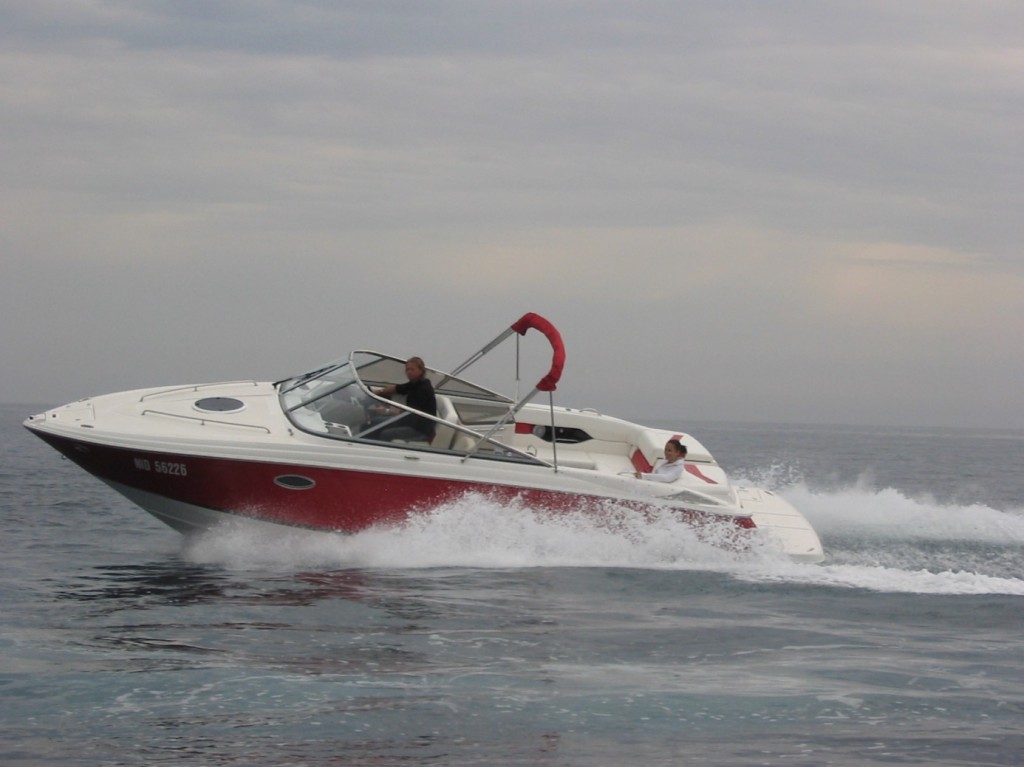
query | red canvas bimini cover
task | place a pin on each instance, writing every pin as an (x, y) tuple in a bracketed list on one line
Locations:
[(535, 321)]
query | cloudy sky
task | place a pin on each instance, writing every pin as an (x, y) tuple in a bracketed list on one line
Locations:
[(804, 211)]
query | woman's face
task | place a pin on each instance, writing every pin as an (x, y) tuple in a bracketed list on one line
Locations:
[(671, 452)]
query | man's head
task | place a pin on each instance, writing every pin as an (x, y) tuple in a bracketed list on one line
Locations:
[(415, 368)]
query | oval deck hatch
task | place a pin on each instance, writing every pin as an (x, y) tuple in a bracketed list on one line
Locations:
[(219, 404)]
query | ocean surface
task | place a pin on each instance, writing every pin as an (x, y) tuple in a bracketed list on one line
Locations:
[(483, 635)]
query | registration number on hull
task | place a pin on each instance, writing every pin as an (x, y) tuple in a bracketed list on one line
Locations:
[(172, 468)]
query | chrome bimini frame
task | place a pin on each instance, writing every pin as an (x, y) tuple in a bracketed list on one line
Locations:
[(333, 400)]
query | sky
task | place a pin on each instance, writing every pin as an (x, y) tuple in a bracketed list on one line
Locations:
[(792, 211)]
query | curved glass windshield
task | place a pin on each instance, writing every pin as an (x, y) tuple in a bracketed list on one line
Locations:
[(336, 401), (329, 400)]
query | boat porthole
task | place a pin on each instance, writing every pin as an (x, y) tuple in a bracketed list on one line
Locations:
[(219, 405), (294, 482)]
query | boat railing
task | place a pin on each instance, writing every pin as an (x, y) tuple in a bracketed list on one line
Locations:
[(205, 421), (694, 496), (195, 387), (477, 438), (488, 437), (502, 449)]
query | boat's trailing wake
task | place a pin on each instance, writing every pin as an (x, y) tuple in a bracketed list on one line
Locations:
[(874, 539), (477, 531)]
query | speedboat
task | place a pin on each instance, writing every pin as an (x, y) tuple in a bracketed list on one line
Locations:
[(311, 451)]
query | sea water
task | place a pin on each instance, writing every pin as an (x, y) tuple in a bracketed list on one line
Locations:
[(482, 634)]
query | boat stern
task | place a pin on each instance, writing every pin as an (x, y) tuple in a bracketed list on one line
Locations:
[(782, 522)]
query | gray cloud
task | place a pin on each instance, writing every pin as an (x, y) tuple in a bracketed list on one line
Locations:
[(800, 211)]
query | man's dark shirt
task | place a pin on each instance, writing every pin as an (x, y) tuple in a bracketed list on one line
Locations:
[(419, 395)]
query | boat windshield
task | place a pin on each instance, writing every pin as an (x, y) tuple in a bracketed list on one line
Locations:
[(335, 400), (328, 400)]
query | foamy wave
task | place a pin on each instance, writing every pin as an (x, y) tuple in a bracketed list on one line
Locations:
[(890, 579), (890, 514), (877, 540), (885, 540), (475, 532)]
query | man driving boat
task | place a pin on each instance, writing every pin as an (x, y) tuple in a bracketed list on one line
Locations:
[(419, 395)]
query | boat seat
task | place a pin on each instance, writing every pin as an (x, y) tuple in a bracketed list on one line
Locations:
[(443, 435), (462, 442)]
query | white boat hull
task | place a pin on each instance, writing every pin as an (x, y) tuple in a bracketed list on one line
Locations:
[(194, 456)]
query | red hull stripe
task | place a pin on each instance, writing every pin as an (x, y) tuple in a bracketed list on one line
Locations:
[(344, 500)]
